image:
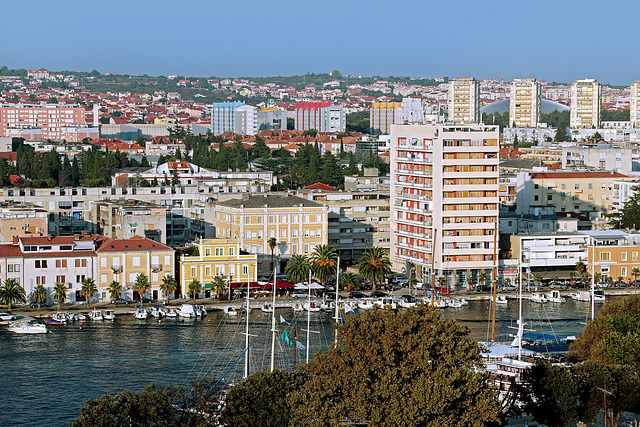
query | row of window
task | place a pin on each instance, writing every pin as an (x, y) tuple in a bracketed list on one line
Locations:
[(219, 270), (61, 263), (283, 233)]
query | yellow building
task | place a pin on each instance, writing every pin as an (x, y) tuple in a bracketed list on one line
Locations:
[(123, 260), (616, 253), (382, 116), (299, 224), (217, 257)]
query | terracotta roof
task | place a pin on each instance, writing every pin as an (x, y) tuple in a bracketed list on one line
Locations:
[(573, 175), (73, 254), (319, 186), (134, 244), (10, 251)]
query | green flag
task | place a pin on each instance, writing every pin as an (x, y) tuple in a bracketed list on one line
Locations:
[(285, 337)]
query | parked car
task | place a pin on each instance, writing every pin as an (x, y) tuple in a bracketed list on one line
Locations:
[(378, 294), (299, 294), (121, 301), (620, 284), (34, 304), (145, 300), (356, 294), (509, 288), (602, 284), (7, 316)]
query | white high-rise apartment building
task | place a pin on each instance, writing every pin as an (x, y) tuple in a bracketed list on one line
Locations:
[(634, 103), (524, 103), (444, 192), (586, 98), (223, 116), (245, 120), (464, 100)]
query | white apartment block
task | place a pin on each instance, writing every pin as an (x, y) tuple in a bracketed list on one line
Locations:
[(223, 117), (634, 104), (444, 194), (586, 98), (464, 100), (524, 103), (245, 120)]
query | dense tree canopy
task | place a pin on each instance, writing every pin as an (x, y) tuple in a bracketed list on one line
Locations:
[(405, 368)]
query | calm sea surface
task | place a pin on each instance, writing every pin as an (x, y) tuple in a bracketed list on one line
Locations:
[(45, 378)]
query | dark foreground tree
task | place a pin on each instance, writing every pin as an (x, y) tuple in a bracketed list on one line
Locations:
[(614, 336), (261, 399), (154, 406), (408, 368)]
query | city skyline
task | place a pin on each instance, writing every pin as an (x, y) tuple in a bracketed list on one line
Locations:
[(504, 41)]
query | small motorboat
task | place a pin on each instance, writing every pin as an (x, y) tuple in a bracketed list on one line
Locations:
[(313, 307), (386, 302), (598, 296), (583, 296), (59, 317), (200, 310), (366, 304), (187, 311), (538, 297), (141, 313), (157, 311), (554, 296), (452, 302), (230, 310), (53, 322), (109, 315), (502, 299), (80, 317), (267, 308), (171, 313), (31, 327), (297, 307), (96, 315)]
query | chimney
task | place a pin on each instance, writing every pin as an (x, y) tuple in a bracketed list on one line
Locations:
[(16, 240)]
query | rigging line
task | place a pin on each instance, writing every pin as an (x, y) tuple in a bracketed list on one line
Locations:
[(555, 337), (219, 354), (222, 323), (238, 359)]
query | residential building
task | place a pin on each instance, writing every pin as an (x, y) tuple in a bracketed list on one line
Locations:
[(464, 100), (271, 119), (50, 119), (245, 120), (588, 193), (321, 116), (622, 192), (524, 103), (411, 110), (12, 263), (22, 220), (122, 260), (298, 222), (634, 104), (607, 157), (586, 97), (223, 117), (217, 257), (613, 253), (444, 188), (382, 116), (125, 218)]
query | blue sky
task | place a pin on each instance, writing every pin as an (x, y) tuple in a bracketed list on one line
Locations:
[(552, 40)]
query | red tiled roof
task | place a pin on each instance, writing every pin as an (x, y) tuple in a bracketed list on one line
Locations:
[(74, 253), (319, 186), (9, 251), (13, 156), (573, 175), (16, 179), (134, 244)]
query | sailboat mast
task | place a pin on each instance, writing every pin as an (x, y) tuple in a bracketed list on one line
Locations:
[(433, 263), (520, 326), (246, 335), (495, 284), (309, 315), (335, 339), (295, 341), (273, 319), (593, 279)]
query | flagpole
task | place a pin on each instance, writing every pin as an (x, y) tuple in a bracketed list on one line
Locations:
[(335, 340)]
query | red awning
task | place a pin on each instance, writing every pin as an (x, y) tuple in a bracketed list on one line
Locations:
[(280, 284), (243, 285)]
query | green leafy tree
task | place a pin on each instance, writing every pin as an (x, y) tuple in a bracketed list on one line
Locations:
[(551, 394), (88, 289), (323, 262), (168, 286), (297, 268), (612, 338), (114, 289), (405, 368), (374, 265), (194, 288), (40, 294), (635, 272), (60, 292), (141, 286), (261, 399), (12, 293), (349, 282)]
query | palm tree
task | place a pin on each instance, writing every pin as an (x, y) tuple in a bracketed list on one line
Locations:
[(60, 291), (374, 265), (141, 286), (168, 286), (537, 278), (635, 272), (88, 289), (273, 243), (442, 282), (554, 279), (323, 262), (349, 281), (218, 286), (297, 268), (194, 288), (482, 278), (11, 292), (597, 278), (114, 290), (40, 294), (572, 276), (581, 267)]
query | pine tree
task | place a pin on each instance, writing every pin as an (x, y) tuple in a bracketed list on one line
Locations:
[(75, 172)]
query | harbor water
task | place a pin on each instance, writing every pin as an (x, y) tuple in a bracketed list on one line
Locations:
[(47, 377)]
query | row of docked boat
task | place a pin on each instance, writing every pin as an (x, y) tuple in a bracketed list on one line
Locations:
[(185, 311), (62, 317), (555, 297)]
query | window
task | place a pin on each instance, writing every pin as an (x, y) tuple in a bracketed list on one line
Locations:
[(84, 262), (194, 272), (623, 257), (623, 271), (536, 186), (232, 270), (535, 198), (549, 196), (16, 268), (306, 249), (634, 256), (232, 251), (306, 232), (577, 186), (154, 277), (207, 252), (103, 278), (306, 218), (294, 249), (167, 260), (132, 277), (245, 269), (604, 269), (103, 262), (283, 234), (294, 233), (61, 279), (79, 278), (590, 186), (38, 263), (272, 233), (77, 262), (318, 232), (605, 256), (247, 234), (318, 218), (41, 280), (136, 261), (564, 186), (283, 219)]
